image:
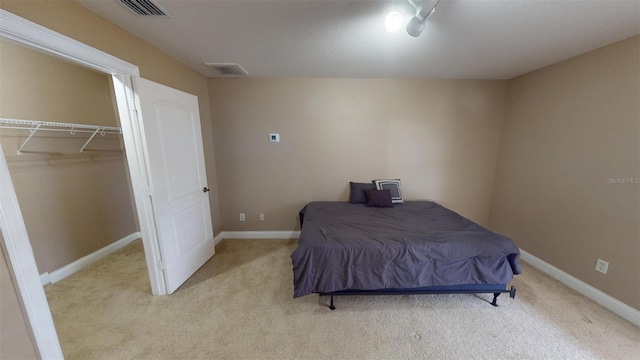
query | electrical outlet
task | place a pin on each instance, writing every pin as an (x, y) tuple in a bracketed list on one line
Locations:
[(261, 217), (241, 216), (602, 266)]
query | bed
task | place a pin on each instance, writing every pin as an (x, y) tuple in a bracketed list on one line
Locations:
[(418, 247)]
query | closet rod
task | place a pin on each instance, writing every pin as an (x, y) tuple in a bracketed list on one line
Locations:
[(33, 126)]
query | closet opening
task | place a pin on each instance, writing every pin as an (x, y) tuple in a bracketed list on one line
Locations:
[(62, 141), (61, 137)]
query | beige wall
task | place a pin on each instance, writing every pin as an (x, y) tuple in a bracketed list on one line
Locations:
[(36, 86), (569, 128), (440, 137), (15, 334), (73, 204)]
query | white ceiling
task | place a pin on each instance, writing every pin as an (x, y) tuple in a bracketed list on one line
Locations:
[(463, 39)]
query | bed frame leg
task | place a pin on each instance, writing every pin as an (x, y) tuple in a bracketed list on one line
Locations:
[(512, 292), (495, 299), (332, 307)]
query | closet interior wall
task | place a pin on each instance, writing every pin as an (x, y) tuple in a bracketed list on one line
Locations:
[(73, 203)]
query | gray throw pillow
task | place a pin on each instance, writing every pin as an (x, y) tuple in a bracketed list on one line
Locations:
[(356, 192)]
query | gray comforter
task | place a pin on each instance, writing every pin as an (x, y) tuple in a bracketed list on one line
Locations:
[(346, 246)]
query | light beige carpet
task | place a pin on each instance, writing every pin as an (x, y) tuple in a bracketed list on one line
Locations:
[(240, 306)]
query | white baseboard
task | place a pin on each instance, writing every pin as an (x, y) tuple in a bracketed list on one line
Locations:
[(259, 234), (53, 277), (607, 301), (218, 238)]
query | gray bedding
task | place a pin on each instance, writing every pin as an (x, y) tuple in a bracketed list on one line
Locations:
[(346, 246)]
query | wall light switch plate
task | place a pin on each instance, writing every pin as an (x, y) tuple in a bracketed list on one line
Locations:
[(602, 266), (274, 137)]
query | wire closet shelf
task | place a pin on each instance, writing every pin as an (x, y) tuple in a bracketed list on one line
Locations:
[(34, 126)]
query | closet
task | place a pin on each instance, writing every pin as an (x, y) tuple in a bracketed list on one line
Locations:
[(59, 133)]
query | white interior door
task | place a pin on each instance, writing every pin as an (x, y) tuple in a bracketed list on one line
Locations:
[(178, 183)]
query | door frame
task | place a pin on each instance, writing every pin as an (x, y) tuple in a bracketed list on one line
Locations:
[(19, 252)]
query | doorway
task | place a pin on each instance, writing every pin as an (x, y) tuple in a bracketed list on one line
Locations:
[(16, 241), (70, 178)]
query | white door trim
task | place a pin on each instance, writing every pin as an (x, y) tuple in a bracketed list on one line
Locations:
[(25, 32), (23, 265), (16, 240), (135, 146)]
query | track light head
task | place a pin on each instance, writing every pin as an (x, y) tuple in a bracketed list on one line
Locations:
[(415, 27), (416, 24)]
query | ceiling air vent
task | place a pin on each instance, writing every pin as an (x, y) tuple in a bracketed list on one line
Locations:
[(144, 8), (227, 69)]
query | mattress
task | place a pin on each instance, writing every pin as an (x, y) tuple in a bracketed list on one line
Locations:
[(346, 246)]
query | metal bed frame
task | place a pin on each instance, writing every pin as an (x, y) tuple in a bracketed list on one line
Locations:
[(496, 292)]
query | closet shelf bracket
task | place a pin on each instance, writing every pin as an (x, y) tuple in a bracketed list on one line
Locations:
[(91, 138), (32, 132)]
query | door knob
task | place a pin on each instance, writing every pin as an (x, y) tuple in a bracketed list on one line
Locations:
[(205, 189)]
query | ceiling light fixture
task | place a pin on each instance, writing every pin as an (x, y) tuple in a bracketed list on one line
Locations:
[(416, 24), (393, 21)]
